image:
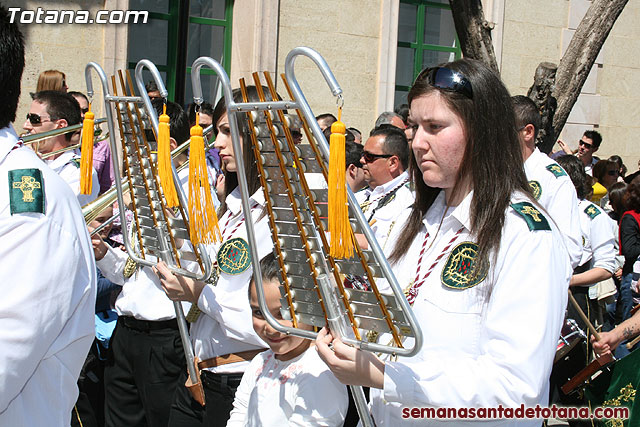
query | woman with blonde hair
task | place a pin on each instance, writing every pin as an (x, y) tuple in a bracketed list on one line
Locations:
[(52, 80)]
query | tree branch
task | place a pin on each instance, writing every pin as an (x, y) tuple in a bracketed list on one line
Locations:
[(474, 31)]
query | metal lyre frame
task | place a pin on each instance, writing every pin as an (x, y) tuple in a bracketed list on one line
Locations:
[(340, 320), (158, 240)]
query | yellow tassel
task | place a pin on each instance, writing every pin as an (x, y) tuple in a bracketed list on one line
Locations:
[(203, 221), (86, 149), (339, 227), (164, 160)]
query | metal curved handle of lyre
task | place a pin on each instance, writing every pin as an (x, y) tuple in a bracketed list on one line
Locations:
[(162, 239)]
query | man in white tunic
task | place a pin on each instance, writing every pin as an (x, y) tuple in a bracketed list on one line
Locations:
[(549, 182), (384, 160), (47, 273), (55, 110)]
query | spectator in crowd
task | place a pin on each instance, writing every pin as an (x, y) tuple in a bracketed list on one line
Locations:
[(390, 118), (589, 144), (152, 90), (355, 173), (357, 135), (605, 174), (52, 80), (102, 162), (403, 111), (622, 169), (326, 120)]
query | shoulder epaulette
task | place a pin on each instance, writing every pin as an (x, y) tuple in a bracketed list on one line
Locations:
[(592, 211), (534, 218), (26, 191), (556, 170)]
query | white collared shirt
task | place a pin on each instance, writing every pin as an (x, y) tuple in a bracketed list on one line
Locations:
[(47, 306), (381, 213), (598, 237), (558, 197), (297, 392), (225, 324), (65, 166), (479, 353)]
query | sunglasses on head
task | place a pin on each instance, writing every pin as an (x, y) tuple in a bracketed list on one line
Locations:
[(371, 157), (35, 119), (585, 144), (444, 78)]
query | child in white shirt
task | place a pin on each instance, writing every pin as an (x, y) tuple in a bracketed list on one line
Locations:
[(288, 384)]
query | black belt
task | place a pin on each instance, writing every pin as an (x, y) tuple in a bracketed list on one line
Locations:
[(213, 381), (147, 325)]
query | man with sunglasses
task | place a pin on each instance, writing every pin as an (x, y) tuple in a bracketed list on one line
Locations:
[(47, 272), (589, 144), (56, 110), (384, 160)]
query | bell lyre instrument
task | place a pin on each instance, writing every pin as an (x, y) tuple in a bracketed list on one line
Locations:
[(313, 283), (157, 231)]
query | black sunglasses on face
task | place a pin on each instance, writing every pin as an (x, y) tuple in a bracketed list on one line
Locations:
[(35, 119), (444, 78), (585, 144), (371, 157)]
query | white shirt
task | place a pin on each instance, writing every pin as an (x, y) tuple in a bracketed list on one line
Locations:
[(183, 175), (479, 353), (225, 325), (557, 195), (65, 166), (598, 237), (298, 392), (381, 213), (47, 306), (588, 169)]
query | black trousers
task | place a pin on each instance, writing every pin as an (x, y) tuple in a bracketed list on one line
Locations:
[(219, 391), (142, 375), (89, 409)]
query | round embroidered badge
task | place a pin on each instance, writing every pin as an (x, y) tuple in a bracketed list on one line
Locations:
[(456, 272), (536, 189), (234, 256)]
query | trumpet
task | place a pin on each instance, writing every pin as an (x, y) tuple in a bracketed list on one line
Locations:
[(37, 137)]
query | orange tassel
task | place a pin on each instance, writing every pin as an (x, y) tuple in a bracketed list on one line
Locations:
[(86, 150), (203, 220), (164, 160), (341, 234)]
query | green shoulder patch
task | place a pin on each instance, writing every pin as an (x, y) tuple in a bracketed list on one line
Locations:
[(536, 189), (592, 211), (535, 219), (26, 191), (556, 170), (76, 162), (458, 272)]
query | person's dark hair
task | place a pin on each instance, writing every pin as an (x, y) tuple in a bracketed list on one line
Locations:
[(269, 270), (526, 113), (616, 197), (327, 117), (249, 160), (621, 166), (595, 137), (11, 67), (575, 169), (403, 111), (178, 122), (600, 169), (632, 196), (395, 142), (348, 136), (353, 153), (78, 95), (151, 86), (355, 131), (492, 160), (60, 105), (205, 108)]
